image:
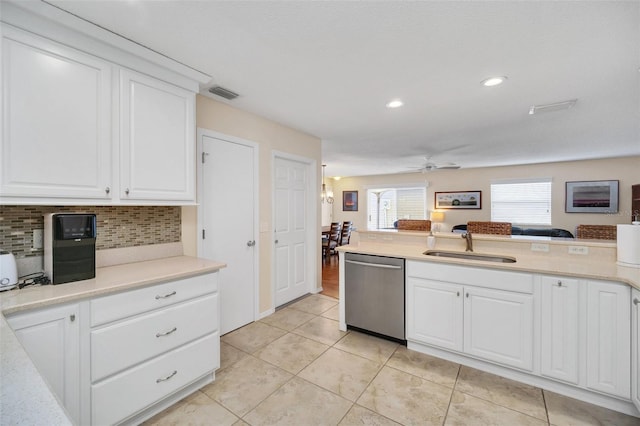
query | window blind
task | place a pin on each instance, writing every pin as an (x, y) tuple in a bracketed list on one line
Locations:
[(522, 202)]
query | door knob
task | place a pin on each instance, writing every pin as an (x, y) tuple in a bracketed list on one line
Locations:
[(251, 243)]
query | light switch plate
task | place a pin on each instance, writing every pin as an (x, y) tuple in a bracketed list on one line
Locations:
[(540, 247), (38, 235), (578, 250)]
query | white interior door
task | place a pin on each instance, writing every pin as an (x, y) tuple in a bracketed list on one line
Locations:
[(291, 202), (228, 221)]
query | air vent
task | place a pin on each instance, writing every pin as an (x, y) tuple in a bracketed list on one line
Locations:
[(222, 92), (536, 109)]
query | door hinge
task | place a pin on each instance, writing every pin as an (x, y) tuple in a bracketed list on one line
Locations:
[(203, 234)]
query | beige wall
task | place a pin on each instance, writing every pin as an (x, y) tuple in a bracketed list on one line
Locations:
[(270, 136), (626, 170)]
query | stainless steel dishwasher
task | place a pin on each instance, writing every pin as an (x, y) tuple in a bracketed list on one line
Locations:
[(374, 294)]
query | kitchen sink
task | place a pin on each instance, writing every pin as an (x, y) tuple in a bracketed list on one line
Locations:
[(471, 256)]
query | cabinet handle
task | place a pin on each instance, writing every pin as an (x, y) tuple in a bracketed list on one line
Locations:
[(164, 379), (559, 283), (166, 333), (467, 294), (158, 297), (458, 294), (126, 191), (72, 317), (107, 190), (636, 301)]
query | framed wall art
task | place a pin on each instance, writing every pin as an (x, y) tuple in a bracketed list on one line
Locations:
[(594, 196), (458, 200), (350, 201)]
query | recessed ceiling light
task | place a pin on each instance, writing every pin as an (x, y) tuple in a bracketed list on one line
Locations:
[(396, 103), (493, 81)]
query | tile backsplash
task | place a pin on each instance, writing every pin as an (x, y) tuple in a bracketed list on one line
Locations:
[(118, 226)]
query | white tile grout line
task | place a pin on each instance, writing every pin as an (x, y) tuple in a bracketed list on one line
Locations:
[(353, 403)]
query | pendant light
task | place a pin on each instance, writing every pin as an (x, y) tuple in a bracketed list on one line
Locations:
[(324, 195)]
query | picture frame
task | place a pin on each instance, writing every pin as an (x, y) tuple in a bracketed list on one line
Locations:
[(592, 196), (458, 200), (349, 201)]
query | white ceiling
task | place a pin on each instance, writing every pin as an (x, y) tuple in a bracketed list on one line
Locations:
[(328, 68)]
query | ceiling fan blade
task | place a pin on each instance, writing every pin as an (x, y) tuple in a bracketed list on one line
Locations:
[(448, 167)]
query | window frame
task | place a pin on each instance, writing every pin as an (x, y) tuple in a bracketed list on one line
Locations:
[(398, 186), (527, 218)]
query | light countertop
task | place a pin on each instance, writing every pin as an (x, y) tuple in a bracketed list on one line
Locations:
[(25, 398), (601, 267)]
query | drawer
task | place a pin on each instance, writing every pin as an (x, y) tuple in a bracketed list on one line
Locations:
[(123, 395), (122, 345), (128, 303), (480, 277)]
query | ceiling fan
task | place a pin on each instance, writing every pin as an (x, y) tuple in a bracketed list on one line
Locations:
[(429, 166)]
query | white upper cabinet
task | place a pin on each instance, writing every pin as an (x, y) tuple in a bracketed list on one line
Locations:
[(56, 120), (157, 140), (89, 120)]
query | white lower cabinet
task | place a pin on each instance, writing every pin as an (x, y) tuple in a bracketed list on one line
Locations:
[(559, 328), (498, 326), (51, 338), (434, 313), (131, 353), (569, 331), (635, 348), (608, 338), (120, 396), (494, 325), (142, 355)]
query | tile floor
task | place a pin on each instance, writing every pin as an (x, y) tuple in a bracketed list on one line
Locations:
[(296, 368)]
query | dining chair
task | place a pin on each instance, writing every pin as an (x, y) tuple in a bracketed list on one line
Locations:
[(493, 228), (345, 235), (414, 225), (329, 244), (597, 232)]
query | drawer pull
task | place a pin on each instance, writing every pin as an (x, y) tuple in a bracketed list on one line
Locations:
[(158, 297), (164, 379), (166, 333)]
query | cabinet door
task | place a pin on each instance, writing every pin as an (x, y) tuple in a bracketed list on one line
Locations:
[(608, 338), (498, 326), (434, 313), (157, 140), (559, 328), (635, 348), (51, 338), (56, 121)]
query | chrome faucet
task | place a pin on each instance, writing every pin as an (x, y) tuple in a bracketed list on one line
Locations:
[(469, 240)]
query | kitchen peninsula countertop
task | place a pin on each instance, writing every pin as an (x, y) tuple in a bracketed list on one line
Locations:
[(409, 245), (25, 397)]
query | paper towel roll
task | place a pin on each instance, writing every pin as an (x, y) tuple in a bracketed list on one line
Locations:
[(629, 245)]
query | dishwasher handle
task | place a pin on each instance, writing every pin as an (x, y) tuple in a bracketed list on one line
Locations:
[(375, 265)]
